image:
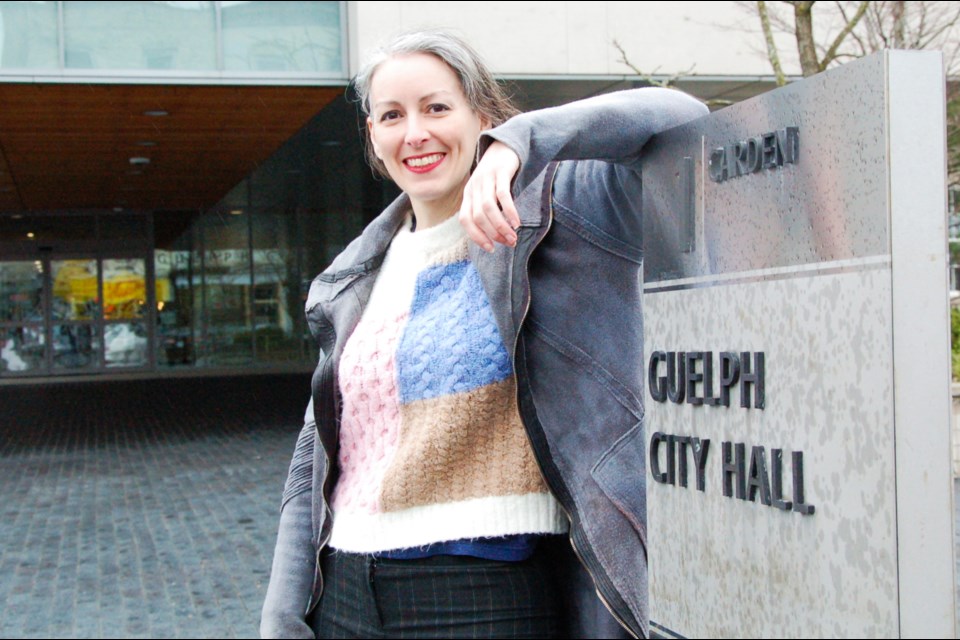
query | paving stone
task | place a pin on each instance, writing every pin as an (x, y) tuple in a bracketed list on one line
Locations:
[(142, 508), (145, 508)]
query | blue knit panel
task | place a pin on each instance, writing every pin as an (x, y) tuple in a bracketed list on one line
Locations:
[(451, 343)]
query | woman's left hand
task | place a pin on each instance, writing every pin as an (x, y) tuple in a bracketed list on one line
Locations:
[(488, 214)]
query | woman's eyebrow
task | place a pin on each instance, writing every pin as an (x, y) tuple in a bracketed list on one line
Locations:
[(425, 98), (434, 94)]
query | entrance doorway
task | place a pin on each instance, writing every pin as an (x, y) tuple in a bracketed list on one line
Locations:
[(76, 314)]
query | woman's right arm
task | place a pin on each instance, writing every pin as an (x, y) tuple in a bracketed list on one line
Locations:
[(612, 127), (294, 559)]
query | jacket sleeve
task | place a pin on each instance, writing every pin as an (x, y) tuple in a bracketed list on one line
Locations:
[(611, 127), (294, 558)]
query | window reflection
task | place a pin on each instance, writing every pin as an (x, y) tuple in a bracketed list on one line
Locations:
[(21, 291), (75, 346), (276, 303), (125, 344), (227, 313), (124, 289), (140, 35), (75, 291), (282, 36), (175, 293), (22, 349), (29, 35)]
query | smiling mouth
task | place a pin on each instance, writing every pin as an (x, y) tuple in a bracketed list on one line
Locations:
[(421, 164)]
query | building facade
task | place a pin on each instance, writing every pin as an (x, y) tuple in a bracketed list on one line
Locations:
[(173, 174)]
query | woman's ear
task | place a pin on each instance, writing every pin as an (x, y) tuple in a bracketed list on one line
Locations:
[(373, 138)]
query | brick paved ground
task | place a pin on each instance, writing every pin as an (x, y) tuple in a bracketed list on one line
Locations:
[(142, 509)]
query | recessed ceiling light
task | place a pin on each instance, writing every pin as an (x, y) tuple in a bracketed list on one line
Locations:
[(30, 234), (139, 160), (17, 216), (117, 209), (236, 212), (156, 113)]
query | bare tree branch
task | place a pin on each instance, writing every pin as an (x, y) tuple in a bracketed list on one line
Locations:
[(772, 54), (831, 53), (668, 82), (926, 38), (898, 12), (865, 27), (842, 10), (665, 82)]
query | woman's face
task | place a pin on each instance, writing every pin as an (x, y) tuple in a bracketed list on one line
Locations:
[(424, 130)]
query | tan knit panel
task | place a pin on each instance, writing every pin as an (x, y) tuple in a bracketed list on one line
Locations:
[(456, 253), (468, 445)]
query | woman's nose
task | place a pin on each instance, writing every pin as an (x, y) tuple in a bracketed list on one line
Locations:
[(417, 133)]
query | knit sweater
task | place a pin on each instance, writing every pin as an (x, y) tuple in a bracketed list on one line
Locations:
[(431, 444)]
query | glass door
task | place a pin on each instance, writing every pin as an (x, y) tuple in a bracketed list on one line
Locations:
[(126, 335), (23, 343), (99, 314), (63, 315), (75, 316)]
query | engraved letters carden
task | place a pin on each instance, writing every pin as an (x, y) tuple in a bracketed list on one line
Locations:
[(768, 151)]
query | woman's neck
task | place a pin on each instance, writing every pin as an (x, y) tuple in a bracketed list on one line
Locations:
[(430, 214)]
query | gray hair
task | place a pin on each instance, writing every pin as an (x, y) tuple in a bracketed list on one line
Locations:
[(484, 95)]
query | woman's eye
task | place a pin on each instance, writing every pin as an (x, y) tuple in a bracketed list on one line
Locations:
[(437, 108), (389, 115)]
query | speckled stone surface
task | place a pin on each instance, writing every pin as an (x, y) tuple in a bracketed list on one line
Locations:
[(831, 265)]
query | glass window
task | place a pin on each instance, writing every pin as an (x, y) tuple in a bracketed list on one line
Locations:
[(125, 344), (124, 289), (276, 300), (21, 291), (175, 279), (226, 295), (75, 295), (29, 35), (76, 346), (140, 35), (22, 349), (282, 36)]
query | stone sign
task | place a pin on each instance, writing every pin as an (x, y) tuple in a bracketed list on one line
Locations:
[(797, 349)]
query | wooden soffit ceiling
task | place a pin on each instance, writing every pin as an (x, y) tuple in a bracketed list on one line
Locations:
[(65, 146)]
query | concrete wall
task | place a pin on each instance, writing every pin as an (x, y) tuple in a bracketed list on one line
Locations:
[(576, 38)]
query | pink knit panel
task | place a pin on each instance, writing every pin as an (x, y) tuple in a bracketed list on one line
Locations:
[(370, 426)]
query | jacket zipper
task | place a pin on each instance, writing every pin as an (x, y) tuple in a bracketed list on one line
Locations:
[(516, 343)]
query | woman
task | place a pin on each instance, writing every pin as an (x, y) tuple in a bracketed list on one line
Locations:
[(475, 395)]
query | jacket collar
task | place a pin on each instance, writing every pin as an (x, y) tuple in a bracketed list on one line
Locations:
[(375, 239)]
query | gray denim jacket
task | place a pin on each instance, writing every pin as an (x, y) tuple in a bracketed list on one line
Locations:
[(568, 301)]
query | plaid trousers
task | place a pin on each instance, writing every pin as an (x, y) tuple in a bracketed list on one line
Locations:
[(437, 597)]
